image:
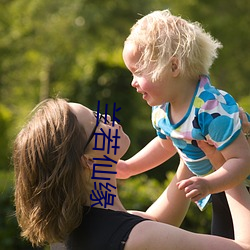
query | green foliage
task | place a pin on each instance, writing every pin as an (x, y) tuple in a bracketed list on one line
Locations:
[(5, 123), (228, 22), (9, 231), (139, 192), (245, 103), (69, 47)]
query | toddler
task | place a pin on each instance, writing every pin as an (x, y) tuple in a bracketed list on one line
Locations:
[(170, 59)]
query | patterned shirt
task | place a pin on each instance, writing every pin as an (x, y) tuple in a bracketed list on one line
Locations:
[(213, 115)]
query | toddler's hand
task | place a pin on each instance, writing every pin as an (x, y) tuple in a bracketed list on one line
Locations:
[(194, 187), (122, 170)]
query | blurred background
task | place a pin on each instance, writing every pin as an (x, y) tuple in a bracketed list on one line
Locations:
[(72, 48)]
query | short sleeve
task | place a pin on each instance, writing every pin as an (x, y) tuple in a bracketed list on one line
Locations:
[(219, 120), (159, 121)]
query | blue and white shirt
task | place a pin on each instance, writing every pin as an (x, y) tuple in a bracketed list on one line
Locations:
[(213, 115)]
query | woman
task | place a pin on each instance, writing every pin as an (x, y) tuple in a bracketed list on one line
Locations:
[(58, 173)]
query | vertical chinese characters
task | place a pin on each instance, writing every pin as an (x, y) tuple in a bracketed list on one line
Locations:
[(104, 141)]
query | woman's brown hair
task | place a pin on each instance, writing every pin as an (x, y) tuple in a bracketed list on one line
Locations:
[(49, 188)]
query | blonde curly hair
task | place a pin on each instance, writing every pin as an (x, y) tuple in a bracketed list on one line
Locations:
[(160, 36), (49, 188)]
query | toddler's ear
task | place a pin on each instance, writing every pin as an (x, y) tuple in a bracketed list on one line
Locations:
[(175, 66)]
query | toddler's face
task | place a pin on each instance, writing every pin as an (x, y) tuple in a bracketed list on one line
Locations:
[(152, 92)]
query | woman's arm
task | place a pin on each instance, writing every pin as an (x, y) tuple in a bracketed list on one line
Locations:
[(245, 123)]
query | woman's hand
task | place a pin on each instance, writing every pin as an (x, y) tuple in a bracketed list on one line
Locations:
[(245, 124)]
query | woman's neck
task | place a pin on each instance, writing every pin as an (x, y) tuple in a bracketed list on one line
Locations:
[(102, 193)]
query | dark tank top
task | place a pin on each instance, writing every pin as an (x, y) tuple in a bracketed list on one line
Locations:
[(102, 229)]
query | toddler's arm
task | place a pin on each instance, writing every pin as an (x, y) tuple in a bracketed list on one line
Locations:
[(153, 154)]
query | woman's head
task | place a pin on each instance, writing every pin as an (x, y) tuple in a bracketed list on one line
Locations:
[(50, 170), (49, 191), (88, 119), (161, 36)]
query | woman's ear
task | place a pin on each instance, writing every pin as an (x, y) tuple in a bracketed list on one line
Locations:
[(88, 161), (175, 66)]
